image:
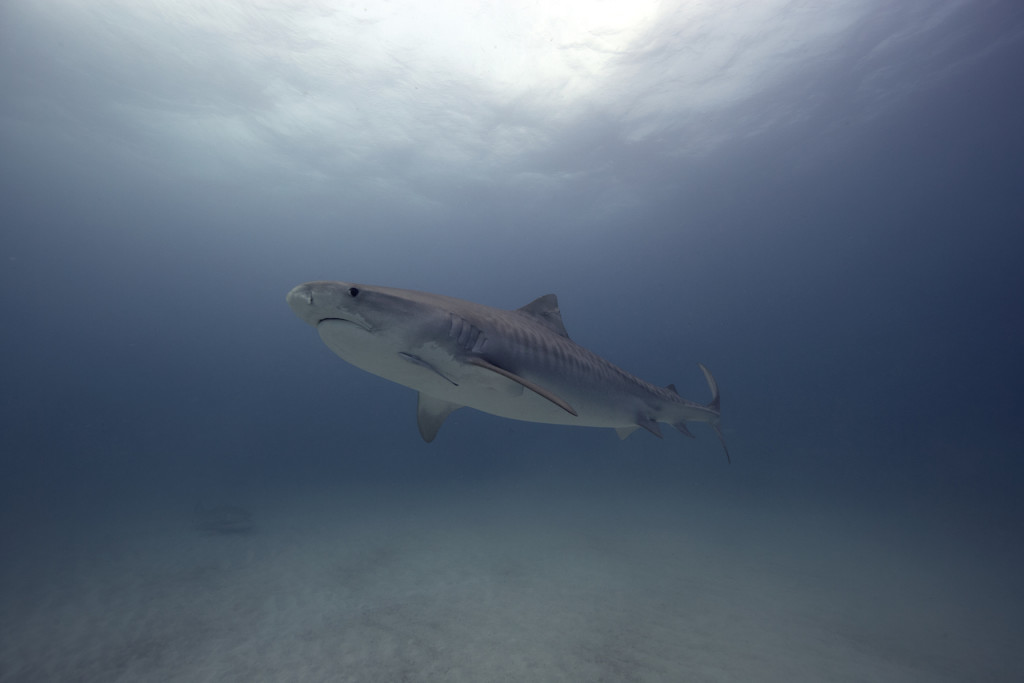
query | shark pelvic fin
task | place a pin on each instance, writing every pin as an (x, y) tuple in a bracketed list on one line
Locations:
[(623, 432), (649, 424), (431, 413), (535, 388)]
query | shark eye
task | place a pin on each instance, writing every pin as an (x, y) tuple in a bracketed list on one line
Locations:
[(353, 292)]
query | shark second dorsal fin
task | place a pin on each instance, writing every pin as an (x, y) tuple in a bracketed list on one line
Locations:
[(544, 309), (431, 413)]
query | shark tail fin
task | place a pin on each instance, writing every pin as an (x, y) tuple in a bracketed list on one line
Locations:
[(715, 403), (716, 406)]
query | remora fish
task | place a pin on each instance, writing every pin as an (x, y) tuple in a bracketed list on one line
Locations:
[(518, 364)]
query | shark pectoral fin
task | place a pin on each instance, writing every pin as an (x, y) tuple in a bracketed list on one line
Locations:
[(649, 424), (623, 432), (424, 364), (535, 388), (431, 413), (681, 426)]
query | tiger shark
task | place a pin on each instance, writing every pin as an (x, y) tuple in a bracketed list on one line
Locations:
[(520, 364)]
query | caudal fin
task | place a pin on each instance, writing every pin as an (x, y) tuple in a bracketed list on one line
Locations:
[(716, 406)]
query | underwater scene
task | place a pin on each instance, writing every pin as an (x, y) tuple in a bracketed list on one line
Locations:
[(512, 341)]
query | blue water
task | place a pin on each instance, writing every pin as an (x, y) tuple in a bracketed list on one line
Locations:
[(825, 207)]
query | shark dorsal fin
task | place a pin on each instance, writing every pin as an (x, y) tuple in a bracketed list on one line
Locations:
[(544, 309)]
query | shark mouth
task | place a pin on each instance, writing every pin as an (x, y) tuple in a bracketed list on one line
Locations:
[(342, 320)]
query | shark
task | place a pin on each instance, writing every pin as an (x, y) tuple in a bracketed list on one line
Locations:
[(518, 364)]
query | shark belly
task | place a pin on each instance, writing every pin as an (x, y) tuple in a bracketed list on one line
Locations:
[(441, 375)]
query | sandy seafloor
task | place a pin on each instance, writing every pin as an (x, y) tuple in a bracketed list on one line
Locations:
[(623, 571)]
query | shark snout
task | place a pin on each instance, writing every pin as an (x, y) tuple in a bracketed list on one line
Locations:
[(318, 301), (300, 295), (300, 300)]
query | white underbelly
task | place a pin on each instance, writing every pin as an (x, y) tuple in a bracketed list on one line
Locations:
[(441, 376)]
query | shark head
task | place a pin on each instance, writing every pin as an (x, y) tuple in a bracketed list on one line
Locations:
[(315, 302), (382, 330), (362, 309)]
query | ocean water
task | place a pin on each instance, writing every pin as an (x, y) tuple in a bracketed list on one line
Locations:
[(824, 204)]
